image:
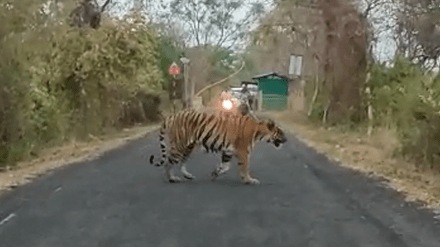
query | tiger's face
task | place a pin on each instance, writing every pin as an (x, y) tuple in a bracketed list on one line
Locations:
[(277, 136)]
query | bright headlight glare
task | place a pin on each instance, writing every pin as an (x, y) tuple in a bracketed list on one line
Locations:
[(227, 104)]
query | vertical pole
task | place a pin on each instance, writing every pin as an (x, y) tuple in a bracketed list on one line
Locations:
[(185, 84), (192, 90), (174, 93), (260, 100)]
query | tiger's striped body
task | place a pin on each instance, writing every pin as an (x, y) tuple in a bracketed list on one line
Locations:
[(232, 135)]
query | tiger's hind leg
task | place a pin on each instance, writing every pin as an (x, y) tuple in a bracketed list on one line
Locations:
[(224, 166), (169, 174), (185, 172), (182, 164), (178, 156), (174, 158)]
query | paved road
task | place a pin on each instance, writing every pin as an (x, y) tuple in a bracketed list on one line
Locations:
[(119, 200)]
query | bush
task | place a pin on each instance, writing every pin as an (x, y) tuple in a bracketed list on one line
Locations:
[(58, 83), (406, 99)]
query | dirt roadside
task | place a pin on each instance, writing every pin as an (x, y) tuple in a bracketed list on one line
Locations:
[(69, 153), (369, 155)]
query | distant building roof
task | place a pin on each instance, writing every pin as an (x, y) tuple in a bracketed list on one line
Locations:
[(269, 74), (249, 82)]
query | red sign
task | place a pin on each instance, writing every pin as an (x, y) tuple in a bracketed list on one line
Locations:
[(174, 69)]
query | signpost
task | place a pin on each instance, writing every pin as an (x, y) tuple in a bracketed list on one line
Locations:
[(295, 65), (187, 98), (174, 70)]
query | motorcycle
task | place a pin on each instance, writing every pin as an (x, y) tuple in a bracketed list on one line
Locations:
[(235, 105)]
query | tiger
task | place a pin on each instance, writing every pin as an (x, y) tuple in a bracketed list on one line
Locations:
[(232, 135)]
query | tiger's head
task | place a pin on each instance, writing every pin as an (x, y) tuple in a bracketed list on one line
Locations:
[(273, 133)]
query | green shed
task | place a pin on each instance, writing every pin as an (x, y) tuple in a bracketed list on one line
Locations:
[(274, 88)]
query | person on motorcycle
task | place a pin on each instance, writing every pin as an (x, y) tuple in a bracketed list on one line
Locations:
[(245, 90), (247, 95)]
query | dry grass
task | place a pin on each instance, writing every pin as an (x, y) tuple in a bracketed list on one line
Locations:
[(72, 152), (370, 155)]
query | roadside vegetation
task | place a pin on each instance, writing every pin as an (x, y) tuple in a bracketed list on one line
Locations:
[(60, 82), (374, 106)]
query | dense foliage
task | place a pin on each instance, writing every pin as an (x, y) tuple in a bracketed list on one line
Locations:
[(407, 99), (59, 83)]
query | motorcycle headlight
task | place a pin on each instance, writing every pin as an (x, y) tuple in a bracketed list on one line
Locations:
[(227, 104)]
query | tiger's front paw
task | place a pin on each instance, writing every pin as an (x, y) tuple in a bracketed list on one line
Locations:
[(251, 181), (175, 179), (189, 176)]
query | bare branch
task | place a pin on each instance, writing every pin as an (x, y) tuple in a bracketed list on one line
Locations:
[(104, 6), (87, 13)]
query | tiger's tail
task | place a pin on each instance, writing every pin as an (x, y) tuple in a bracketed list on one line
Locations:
[(162, 147)]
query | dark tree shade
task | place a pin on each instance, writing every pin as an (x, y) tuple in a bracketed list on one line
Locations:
[(87, 13)]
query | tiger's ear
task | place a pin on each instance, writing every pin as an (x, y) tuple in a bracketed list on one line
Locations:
[(270, 124)]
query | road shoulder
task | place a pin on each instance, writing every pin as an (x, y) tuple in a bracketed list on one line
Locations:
[(70, 153), (366, 155)]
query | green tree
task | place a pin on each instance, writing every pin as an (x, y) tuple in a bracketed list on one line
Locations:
[(212, 22), (59, 82)]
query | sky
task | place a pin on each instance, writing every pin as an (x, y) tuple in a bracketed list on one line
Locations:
[(383, 51), (386, 46)]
